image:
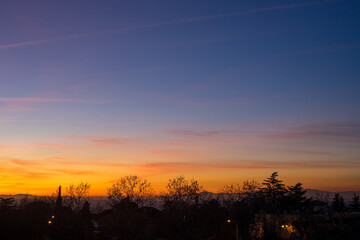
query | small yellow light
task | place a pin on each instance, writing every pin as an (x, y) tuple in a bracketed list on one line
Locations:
[(53, 217), (228, 220), (49, 222), (282, 226)]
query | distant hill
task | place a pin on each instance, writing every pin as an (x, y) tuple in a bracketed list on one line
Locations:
[(101, 201), (19, 196), (348, 195)]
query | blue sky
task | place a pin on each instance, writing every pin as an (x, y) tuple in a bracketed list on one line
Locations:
[(144, 70)]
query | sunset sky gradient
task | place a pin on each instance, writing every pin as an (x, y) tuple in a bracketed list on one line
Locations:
[(221, 91)]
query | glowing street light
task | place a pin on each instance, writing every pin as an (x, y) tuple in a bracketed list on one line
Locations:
[(237, 229)]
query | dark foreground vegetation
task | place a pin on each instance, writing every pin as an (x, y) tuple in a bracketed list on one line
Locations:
[(269, 210)]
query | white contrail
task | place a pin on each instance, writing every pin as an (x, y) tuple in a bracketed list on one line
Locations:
[(158, 24)]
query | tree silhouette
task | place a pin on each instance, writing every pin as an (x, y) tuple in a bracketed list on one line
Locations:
[(76, 195), (355, 203), (230, 194), (132, 188), (58, 202), (233, 193), (295, 198), (7, 203), (274, 191), (274, 211), (250, 186), (338, 203), (183, 192)]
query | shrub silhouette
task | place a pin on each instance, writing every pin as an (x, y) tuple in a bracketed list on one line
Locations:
[(249, 211)]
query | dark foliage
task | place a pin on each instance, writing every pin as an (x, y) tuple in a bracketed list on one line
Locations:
[(270, 211)]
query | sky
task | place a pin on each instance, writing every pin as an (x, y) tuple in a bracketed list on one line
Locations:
[(219, 91)]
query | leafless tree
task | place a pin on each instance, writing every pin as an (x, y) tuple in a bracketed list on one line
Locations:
[(133, 188), (235, 192), (25, 200), (76, 195), (250, 186), (183, 191), (230, 194)]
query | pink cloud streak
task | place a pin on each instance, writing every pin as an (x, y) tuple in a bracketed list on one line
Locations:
[(349, 132), (99, 140), (15, 107), (169, 167)]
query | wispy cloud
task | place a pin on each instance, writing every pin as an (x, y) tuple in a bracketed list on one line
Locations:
[(24, 162), (327, 131), (135, 70), (49, 100), (16, 107), (75, 172), (159, 24), (76, 143), (26, 167), (184, 167), (2, 119), (83, 85), (170, 153), (24, 104), (24, 173), (38, 42), (110, 141), (331, 131), (54, 146), (97, 164), (204, 133)]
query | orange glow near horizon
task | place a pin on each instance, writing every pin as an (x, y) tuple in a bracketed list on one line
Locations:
[(221, 92), (215, 159), (42, 178)]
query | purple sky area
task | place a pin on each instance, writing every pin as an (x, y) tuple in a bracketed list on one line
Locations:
[(216, 90)]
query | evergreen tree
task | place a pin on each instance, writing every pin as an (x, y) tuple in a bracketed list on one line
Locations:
[(338, 203), (355, 203), (295, 198), (273, 191)]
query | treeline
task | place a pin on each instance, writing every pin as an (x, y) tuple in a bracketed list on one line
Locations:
[(185, 210)]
